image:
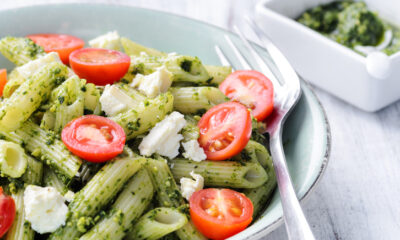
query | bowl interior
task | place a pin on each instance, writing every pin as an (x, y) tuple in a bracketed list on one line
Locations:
[(306, 134)]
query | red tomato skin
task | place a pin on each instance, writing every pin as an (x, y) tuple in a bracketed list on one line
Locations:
[(3, 80), (7, 212), (218, 229), (93, 153), (238, 143), (263, 94), (100, 73), (63, 44)]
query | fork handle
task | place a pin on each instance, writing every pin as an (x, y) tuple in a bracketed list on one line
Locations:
[(296, 223)]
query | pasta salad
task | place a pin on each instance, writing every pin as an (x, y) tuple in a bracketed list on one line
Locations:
[(122, 141)]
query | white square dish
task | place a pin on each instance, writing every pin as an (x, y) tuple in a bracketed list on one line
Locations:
[(326, 63)]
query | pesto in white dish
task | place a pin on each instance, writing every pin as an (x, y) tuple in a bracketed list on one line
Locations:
[(351, 24)]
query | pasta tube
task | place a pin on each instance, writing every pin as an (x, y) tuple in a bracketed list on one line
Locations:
[(218, 73), (20, 50), (45, 146), (129, 206), (21, 229), (67, 103), (97, 193), (50, 179), (259, 196), (168, 195), (195, 100), (134, 49), (157, 223), (27, 98), (13, 160), (222, 173), (145, 116)]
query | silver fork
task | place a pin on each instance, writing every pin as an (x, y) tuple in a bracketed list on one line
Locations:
[(287, 93)]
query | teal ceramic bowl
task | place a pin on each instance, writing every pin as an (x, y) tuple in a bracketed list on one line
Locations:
[(306, 132)]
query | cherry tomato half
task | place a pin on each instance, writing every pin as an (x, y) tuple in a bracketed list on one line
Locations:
[(99, 66), (94, 138), (3, 80), (63, 44), (7, 212), (225, 130), (220, 213), (251, 88)]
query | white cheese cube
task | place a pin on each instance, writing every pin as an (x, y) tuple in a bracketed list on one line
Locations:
[(193, 151), (114, 100), (31, 67), (69, 196), (110, 40), (164, 137), (153, 84), (44, 208), (170, 148), (189, 186)]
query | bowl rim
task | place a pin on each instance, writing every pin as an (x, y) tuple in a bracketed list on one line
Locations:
[(264, 9), (272, 226)]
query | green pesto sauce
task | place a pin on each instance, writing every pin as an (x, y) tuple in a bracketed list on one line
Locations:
[(350, 24)]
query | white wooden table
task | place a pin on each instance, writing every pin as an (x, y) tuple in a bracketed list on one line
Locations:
[(359, 196)]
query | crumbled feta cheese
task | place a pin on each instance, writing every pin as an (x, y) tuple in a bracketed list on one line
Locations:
[(69, 196), (114, 100), (31, 67), (172, 54), (153, 84), (189, 186), (144, 54), (110, 40), (170, 148), (193, 151), (44, 208), (164, 138)]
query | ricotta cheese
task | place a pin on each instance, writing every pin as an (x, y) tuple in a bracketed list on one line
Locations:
[(69, 196), (153, 84), (114, 100), (44, 208), (189, 186), (110, 40), (193, 151), (164, 137)]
